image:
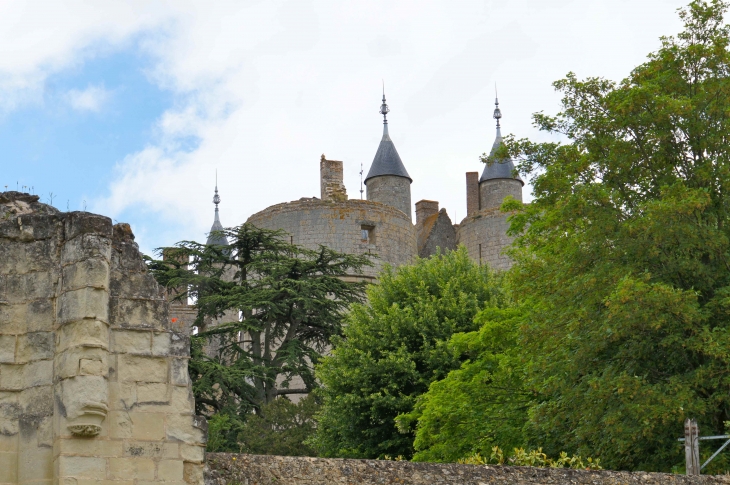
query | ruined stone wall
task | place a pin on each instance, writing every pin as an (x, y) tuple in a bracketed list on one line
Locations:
[(226, 469), (339, 225), (485, 237), (93, 373), (391, 190)]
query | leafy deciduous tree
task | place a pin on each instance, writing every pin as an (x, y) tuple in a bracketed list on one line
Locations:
[(393, 348)]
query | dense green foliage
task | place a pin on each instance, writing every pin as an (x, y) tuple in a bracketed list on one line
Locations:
[(481, 405), (266, 311), (281, 428), (394, 347), (623, 259)]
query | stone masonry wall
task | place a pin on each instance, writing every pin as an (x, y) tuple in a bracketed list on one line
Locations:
[(493, 192), (338, 225), (485, 237), (227, 469), (93, 373), (391, 190)]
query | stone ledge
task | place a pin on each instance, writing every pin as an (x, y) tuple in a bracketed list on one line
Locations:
[(229, 469)]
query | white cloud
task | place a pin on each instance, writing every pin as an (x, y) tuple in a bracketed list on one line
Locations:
[(90, 99), (266, 87)]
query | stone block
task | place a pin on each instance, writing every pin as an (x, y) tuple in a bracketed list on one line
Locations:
[(19, 288), (39, 373), (131, 468), (10, 411), (161, 343), (7, 349), (170, 471), (86, 247), (11, 377), (181, 400), (35, 463), (179, 344), (35, 346), (82, 467), (91, 367), (152, 393), (122, 395), (88, 333), (93, 272), (148, 426), (8, 443), (82, 223), (141, 313), (193, 473), (131, 341), (88, 447), (179, 372), (36, 401), (86, 303), (158, 449), (141, 369), (136, 286), (120, 424), (181, 428), (12, 318), (8, 467), (192, 453), (39, 315), (68, 364)]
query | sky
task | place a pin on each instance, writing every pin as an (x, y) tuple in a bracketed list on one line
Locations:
[(128, 109)]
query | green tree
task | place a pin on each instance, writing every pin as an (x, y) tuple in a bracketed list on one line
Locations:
[(622, 259), (393, 348), (482, 404), (275, 306)]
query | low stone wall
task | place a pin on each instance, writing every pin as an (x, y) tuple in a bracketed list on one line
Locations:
[(229, 469)]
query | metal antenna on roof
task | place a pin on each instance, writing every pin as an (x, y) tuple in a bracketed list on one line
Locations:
[(361, 172)]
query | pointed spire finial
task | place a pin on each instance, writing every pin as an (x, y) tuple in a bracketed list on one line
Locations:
[(497, 113), (216, 197), (384, 110)]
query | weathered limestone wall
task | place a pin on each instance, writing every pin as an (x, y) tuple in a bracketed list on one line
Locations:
[(493, 192), (338, 225), (391, 190), (485, 236), (93, 372), (227, 469)]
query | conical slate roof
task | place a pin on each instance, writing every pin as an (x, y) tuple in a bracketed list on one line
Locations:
[(213, 238), (499, 169), (387, 161)]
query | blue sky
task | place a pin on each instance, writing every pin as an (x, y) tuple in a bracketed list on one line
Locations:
[(131, 107), (67, 148)]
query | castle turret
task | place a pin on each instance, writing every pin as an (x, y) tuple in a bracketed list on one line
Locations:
[(388, 181), (498, 179), (215, 237)]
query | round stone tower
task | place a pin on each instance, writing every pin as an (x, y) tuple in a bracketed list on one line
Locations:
[(388, 181), (484, 230), (498, 179)]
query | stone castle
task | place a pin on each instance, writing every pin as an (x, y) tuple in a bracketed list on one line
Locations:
[(382, 224)]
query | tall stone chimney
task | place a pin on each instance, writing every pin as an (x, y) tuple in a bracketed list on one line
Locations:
[(330, 179), (472, 193), (424, 209)]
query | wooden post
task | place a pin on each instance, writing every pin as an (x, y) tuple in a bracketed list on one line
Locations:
[(692, 446)]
